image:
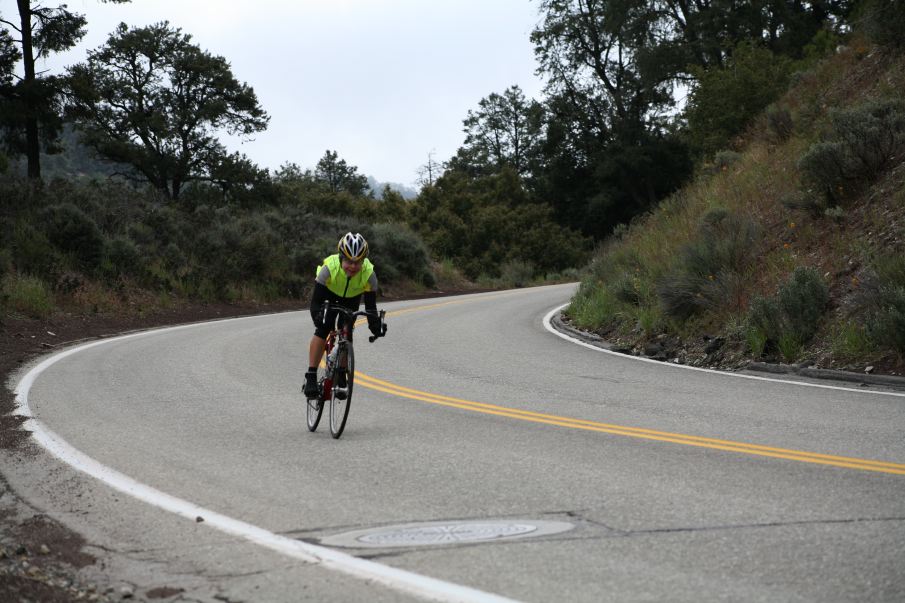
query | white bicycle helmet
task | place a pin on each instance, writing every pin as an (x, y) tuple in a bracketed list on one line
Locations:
[(353, 247)]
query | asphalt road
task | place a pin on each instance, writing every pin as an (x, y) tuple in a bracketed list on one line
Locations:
[(677, 484)]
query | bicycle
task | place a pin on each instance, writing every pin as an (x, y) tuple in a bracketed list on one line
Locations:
[(337, 374)]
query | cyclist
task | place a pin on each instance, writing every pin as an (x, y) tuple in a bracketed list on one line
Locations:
[(342, 279)]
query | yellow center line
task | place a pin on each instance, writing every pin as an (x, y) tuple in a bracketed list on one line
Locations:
[(633, 432)]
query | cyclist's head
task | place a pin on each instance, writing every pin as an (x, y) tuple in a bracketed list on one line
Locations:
[(353, 247)]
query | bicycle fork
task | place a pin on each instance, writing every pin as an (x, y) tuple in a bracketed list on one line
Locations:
[(328, 386)]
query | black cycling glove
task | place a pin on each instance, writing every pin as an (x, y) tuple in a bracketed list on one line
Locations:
[(374, 325)]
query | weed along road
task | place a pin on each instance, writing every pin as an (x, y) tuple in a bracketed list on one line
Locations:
[(485, 458)]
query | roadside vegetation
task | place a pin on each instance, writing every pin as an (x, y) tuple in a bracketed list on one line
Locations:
[(789, 244), (759, 217)]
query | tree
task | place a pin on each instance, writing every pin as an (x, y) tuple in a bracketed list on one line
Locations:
[(591, 52), (724, 100), (610, 151), (30, 107), (430, 171), (240, 179), (340, 176), (483, 223), (151, 98), (504, 131)]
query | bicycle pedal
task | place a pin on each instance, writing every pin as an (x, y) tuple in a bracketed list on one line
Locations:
[(340, 393)]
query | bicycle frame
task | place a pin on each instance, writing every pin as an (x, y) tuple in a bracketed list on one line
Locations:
[(336, 339), (339, 361)]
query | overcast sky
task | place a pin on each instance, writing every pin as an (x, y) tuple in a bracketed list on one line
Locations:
[(382, 82)]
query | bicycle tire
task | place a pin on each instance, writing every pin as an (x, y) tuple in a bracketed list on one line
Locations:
[(339, 409), (315, 408)]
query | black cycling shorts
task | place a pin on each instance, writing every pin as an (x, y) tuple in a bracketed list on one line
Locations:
[(331, 322)]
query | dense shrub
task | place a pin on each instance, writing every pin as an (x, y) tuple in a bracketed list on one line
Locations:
[(723, 101), (802, 301), (516, 273), (31, 250), (26, 295), (124, 257), (70, 230), (790, 319), (241, 250), (725, 159), (708, 273), (482, 223), (862, 144), (883, 298), (779, 123), (592, 306), (398, 253)]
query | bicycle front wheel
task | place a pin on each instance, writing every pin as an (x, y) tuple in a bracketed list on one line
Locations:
[(339, 404), (315, 407)]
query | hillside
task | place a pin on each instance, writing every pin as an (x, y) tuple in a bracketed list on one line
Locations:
[(788, 248)]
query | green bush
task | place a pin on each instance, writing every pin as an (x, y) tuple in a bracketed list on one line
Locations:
[(723, 101), (709, 271), (31, 250), (883, 296), (124, 257), (787, 321), (398, 253), (516, 273), (27, 295), (779, 123), (765, 319), (789, 347), (725, 159), (757, 341), (70, 230), (627, 289), (862, 144), (851, 341), (241, 250), (802, 301), (592, 306)]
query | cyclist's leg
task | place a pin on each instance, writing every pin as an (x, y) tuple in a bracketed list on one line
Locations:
[(316, 351), (318, 340), (352, 303)]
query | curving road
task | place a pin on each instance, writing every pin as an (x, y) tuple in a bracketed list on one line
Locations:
[(677, 484)]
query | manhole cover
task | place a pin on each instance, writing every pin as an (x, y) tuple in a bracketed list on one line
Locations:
[(447, 532)]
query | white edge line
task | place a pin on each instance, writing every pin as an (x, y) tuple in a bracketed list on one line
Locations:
[(397, 579), (549, 326)]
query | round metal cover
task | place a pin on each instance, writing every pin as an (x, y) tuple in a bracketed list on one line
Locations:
[(447, 532)]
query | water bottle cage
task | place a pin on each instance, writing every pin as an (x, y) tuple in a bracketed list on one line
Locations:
[(331, 360)]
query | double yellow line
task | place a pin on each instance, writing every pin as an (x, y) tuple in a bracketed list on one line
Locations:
[(634, 432)]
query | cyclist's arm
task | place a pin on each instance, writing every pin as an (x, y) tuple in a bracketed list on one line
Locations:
[(370, 294), (370, 299), (318, 297)]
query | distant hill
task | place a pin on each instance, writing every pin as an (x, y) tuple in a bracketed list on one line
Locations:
[(75, 160), (408, 193)]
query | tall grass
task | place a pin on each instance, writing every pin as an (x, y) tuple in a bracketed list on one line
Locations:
[(27, 295)]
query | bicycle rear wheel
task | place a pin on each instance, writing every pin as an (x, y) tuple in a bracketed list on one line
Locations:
[(315, 407), (339, 407)]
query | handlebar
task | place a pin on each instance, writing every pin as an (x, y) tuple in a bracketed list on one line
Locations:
[(355, 313), (383, 329)]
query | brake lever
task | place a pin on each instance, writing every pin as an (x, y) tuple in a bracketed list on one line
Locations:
[(383, 328)]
